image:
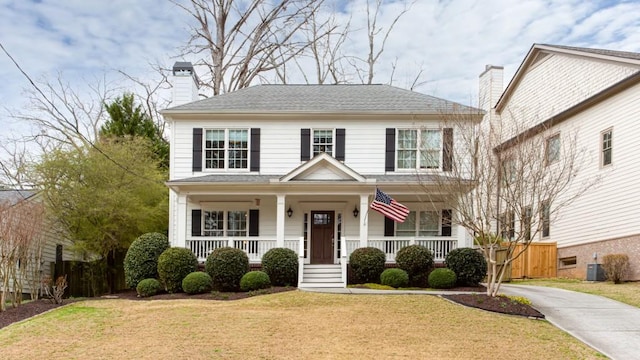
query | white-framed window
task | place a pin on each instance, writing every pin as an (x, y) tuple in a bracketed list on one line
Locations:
[(323, 141), (508, 226), (509, 171), (552, 149), (545, 218), (226, 149), (419, 149), (606, 147), (420, 223), (224, 223)]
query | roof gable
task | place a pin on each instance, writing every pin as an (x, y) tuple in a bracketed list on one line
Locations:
[(322, 167), (355, 99)]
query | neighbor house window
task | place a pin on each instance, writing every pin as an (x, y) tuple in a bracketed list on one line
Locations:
[(322, 142), (507, 226), (545, 218), (217, 224), (552, 151), (420, 223), (508, 171), (526, 222), (226, 148), (606, 147), (419, 149)]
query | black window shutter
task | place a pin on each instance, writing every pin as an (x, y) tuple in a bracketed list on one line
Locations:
[(196, 222), (255, 150), (390, 148), (340, 133), (254, 222), (446, 222), (389, 227), (447, 149), (197, 150), (305, 144)]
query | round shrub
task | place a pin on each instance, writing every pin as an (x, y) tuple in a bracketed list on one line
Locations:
[(254, 280), (197, 282), (442, 278), (174, 264), (141, 261), (147, 287), (417, 261), (226, 266), (282, 266), (367, 264), (395, 278), (468, 264)]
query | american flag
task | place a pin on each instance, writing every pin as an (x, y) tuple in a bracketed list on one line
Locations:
[(388, 207)]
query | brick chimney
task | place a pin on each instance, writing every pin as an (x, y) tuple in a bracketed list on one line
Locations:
[(185, 84), (490, 87)]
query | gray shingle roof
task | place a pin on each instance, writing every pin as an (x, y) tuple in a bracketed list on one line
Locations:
[(621, 54), (13, 196), (324, 99)]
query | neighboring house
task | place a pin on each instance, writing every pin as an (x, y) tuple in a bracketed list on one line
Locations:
[(54, 250), (595, 95), (296, 166)]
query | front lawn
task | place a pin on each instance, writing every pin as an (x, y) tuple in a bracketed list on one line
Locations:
[(288, 325)]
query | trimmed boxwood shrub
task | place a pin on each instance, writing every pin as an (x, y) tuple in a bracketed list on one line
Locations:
[(147, 287), (197, 282), (174, 264), (282, 266), (442, 278), (417, 261), (367, 264), (468, 264), (254, 280), (394, 277), (226, 266), (141, 261)]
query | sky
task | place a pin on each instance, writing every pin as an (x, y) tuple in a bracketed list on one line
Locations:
[(451, 41)]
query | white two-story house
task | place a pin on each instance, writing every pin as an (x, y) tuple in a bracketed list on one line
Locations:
[(296, 166), (588, 99)]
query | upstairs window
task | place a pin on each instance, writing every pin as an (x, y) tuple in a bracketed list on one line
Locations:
[(419, 149), (322, 142), (552, 151), (226, 149), (607, 145)]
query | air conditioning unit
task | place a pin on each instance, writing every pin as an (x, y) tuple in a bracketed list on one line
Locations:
[(595, 272)]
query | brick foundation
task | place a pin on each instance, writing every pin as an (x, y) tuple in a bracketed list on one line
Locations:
[(584, 255)]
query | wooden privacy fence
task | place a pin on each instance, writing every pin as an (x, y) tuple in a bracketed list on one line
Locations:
[(540, 260)]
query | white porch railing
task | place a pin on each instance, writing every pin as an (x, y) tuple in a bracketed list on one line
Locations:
[(255, 248), (440, 246)]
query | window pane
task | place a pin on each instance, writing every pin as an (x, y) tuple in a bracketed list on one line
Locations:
[(408, 227), (407, 139), (213, 223), (430, 159), (214, 149), (322, 142), (606, 147), (237, 223), (429, 223), (406, 159), (431, 139)]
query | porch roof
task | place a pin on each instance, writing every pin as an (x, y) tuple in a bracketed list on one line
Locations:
[(410, 179)]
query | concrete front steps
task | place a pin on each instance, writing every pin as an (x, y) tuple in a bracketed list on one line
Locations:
[(322, 276)]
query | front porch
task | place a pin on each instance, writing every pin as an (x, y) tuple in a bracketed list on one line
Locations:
[(323, 275)]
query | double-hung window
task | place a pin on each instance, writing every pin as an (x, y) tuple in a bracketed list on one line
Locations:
[(226, 149), (419, 223), (545, 218), (224, 223), (552, 151), (419, 149), (606, 148), (323, 142)]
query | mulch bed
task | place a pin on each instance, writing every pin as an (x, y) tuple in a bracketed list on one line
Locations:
[(477, 300)]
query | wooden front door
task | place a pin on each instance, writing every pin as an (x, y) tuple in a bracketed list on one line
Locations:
[(322, 237)]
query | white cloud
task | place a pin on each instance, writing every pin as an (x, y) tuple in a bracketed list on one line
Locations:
[(450, 40)]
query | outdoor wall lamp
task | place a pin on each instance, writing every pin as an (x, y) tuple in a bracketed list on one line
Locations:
[(355, 212), (289, 212)]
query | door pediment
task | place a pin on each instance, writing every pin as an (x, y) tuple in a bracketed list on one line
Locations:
[(322, 167)]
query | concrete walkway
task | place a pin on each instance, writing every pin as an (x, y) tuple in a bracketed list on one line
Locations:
[(608, 326)]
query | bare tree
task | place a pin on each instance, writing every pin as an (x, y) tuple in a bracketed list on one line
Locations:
[(239, 41), (507, 184)]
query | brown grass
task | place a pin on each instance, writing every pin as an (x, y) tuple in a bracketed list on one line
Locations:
[(628, 293), (291, 325)]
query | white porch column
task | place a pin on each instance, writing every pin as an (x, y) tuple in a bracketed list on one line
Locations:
[(280, 212), (364, 216), (181, 239)]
